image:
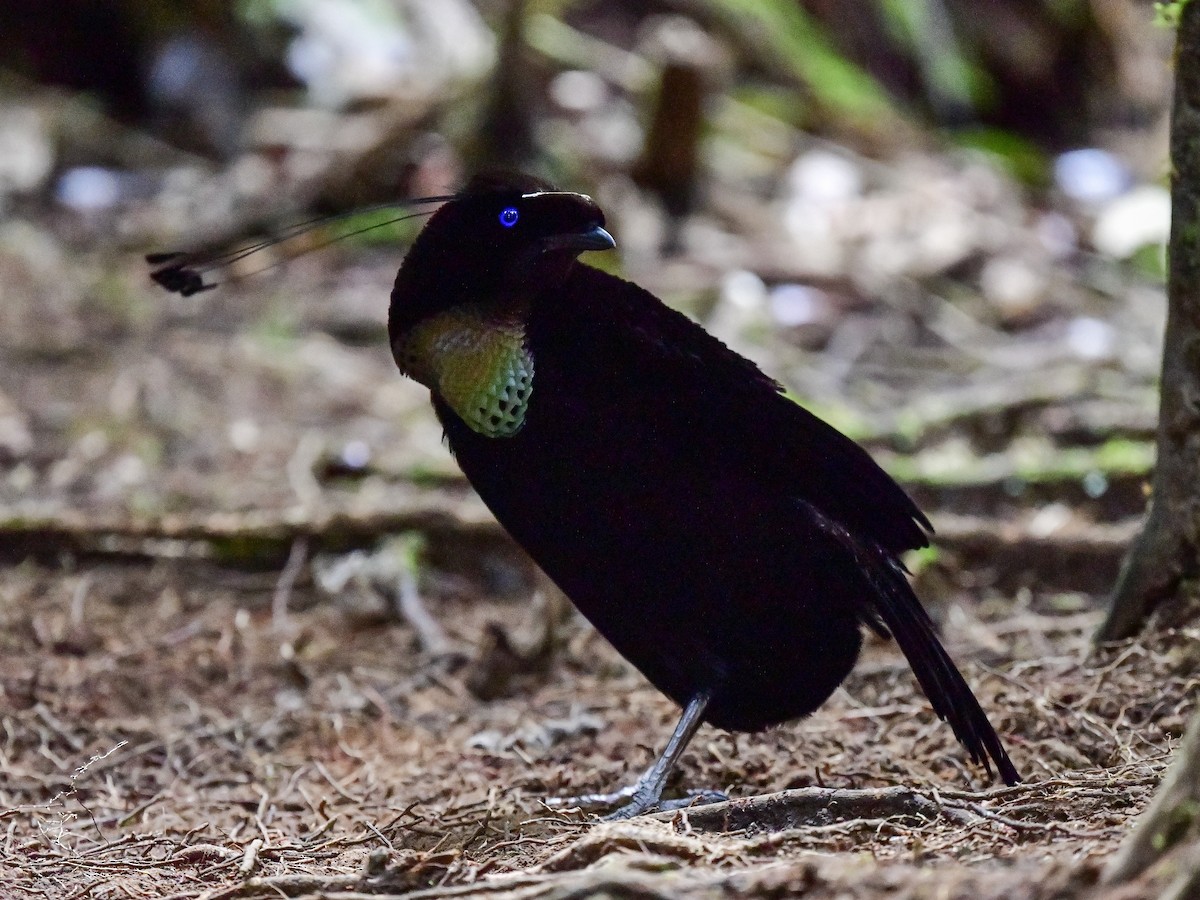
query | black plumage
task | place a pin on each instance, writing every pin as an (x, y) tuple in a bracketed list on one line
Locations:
[(727, 542)]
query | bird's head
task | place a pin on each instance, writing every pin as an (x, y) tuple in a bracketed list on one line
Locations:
[(503, 236), (458, 307)]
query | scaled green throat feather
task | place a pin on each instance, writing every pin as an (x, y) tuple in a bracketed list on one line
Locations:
[(478, 364)]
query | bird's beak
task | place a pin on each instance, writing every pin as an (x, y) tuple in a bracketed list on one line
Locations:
[(594, 238)]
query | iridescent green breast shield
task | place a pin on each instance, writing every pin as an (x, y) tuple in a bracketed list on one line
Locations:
[(482, 369)]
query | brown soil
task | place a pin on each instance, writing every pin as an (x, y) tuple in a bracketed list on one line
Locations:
[(162, 736)]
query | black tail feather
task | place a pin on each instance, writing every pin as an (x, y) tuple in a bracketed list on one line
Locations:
[(948, 693), (893, 607)]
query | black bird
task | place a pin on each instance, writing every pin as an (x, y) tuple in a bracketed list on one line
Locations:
[(727, 542)]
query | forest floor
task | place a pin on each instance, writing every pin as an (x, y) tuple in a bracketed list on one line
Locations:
[(258, 639), (162, 737)]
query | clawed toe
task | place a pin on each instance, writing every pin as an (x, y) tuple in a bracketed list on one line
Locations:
[(646, 793), (639, 802), (591, 801), (694, 798)]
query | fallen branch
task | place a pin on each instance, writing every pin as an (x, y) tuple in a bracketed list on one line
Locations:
[(1083, 557), (817, 806), (242, 535)]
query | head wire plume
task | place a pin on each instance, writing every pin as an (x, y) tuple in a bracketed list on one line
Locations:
[(182, 272)]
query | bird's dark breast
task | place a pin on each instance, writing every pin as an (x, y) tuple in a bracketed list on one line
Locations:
[(700, 575)]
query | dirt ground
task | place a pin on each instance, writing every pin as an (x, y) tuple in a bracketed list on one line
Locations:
[(199, 701), (163, 737)]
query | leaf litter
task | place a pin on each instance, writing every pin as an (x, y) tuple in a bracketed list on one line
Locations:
[(164, 737)]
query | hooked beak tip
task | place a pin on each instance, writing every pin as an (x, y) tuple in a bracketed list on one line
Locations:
[(594, 238), (599, 239)]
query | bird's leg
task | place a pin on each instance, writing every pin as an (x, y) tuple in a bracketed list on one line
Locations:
[(646, 792)]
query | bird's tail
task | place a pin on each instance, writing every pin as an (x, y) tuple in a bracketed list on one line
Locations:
[(939, 678), (896, 608)]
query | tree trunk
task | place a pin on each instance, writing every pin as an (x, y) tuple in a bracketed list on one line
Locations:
[(1168, 549)]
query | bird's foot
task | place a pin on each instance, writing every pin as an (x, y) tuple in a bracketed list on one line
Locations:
[(637, 807), (646, 793), (695, 797), (593, 801), (642, 799)]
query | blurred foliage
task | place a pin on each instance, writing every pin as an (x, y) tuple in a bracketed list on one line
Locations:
[(1040, 69), (1019, 156), (803, 47), (1150, 261), (386, 226), (1028, 459), (1167, 14), (919, 26)]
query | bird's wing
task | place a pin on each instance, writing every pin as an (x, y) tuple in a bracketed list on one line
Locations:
[(725, 405), (715, 411)]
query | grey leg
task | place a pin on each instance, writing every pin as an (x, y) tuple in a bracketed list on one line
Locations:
[(645, 794)]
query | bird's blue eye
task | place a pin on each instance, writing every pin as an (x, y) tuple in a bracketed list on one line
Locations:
[(509, 217)]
